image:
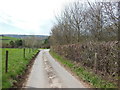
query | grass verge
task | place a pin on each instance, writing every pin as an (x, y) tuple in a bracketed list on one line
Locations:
[(89, 77), (16, 64)]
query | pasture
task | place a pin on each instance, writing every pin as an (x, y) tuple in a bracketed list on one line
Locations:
[(16, 64), (6, 39)]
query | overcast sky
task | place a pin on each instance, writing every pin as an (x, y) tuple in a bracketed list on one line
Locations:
[(28, 16)]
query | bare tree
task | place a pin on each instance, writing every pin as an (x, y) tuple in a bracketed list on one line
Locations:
[(79, 22)]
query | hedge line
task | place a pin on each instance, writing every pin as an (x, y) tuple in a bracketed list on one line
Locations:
[(100, 57)]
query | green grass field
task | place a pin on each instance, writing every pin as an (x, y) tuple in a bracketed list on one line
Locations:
[(6, 39), (16, 64)]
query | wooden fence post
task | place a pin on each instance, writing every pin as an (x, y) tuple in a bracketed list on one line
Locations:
[(24, 52), (95, 63), (6, 63)]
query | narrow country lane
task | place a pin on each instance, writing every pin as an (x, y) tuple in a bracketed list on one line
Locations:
[(47, 73)]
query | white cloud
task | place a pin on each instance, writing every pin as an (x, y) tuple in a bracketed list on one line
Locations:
[(30, 15)]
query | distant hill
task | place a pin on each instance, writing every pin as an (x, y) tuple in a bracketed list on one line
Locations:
[(23, 36), (6, 39)]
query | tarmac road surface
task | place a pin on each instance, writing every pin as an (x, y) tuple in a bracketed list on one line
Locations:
[(48, 73)]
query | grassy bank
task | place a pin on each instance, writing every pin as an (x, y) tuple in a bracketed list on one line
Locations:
[(16, 64), (89, 77)]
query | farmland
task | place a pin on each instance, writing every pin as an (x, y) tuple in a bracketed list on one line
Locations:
[(8, 42), (16, 64), (6, 39), (19, 41)]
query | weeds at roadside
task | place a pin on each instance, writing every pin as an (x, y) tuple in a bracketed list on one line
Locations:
[(85, 75)]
